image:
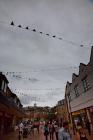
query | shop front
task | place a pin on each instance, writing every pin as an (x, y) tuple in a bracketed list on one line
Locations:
[(79, 116), (91, 115)]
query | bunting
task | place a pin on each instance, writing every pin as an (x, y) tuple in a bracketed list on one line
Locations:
[(43, 33), (46, 34)]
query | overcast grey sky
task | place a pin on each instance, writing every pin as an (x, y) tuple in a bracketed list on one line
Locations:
[(45, 63)]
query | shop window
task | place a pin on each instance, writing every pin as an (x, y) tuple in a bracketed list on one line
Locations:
[(76, 91), (85, 84)]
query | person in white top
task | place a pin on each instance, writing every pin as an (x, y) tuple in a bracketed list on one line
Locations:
[(21, 126)]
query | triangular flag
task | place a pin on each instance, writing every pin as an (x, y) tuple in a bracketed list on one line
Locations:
[(47, 34), (19, 26), (81, 45), (27, 28), (12, 23), (34, 30)]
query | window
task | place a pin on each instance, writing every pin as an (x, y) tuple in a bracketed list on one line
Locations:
[(69, 97), (5, 87), (2, 87), (0, 84), (76, 91), (85, 84)]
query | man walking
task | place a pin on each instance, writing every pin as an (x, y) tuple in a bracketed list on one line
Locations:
[(63, 133)]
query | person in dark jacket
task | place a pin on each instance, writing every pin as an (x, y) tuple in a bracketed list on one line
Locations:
[(46, 131), (88, 126)]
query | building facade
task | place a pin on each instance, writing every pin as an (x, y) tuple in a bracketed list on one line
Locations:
[(79, 94), (61, 111), (10, 107), (36, 113)]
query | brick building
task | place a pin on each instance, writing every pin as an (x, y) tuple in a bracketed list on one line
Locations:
[(10, 107), (36, 113), (61, 111)]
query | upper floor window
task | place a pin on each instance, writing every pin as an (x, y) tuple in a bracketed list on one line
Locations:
[(0, 84), (69, 97), (15, 100), (76, 91), (85, 84), (3, 86)]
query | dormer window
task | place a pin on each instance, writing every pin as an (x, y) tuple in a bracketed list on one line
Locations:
[(5, 87), (15, 100), (69, 97), (2, 87), (3, 83), (85, 83), (76, 91)]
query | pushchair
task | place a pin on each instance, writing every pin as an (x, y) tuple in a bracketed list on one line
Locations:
[(25, 132)]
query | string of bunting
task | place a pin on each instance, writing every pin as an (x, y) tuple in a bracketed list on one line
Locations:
[(20, 75), (33, 97), (52, 89), (34, 70), (45, 34)]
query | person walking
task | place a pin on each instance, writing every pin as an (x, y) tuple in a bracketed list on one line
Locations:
[(21, 126), (63, 133), (51, 130), (56, 130), (88, 126), (46, 131), (81, 135)]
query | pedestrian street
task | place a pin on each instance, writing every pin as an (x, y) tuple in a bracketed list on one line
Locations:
[(36, 136)]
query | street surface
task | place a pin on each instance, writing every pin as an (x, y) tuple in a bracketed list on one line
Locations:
[(36, 136)]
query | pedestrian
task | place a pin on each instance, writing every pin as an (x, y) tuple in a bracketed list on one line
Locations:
[(46, 131), (21, 126), (25, 131), (88, 126), (63, 133), (56, 130), (79, 127), (51, 130), (81, 135)]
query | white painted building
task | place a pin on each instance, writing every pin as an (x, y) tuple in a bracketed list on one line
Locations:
[(79, 93)]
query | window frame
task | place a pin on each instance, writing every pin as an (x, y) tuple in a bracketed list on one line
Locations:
[(86, 84), (76, 91)]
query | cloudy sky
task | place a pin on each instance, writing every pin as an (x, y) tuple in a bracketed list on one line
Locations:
[(40, 64)]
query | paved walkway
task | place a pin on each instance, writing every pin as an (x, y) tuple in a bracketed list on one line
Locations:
[(36, 136), (33, 136)]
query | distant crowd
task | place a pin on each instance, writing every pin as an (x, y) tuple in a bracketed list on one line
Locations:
[(51, 129)]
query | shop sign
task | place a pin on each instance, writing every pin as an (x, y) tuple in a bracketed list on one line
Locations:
[(78, 112)]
